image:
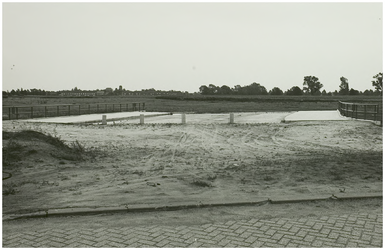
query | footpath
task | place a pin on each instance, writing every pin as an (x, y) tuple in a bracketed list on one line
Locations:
[(160, 230)]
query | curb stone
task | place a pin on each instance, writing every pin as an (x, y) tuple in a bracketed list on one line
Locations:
[(151, 208)]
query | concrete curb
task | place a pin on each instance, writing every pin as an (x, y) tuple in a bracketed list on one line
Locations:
[(152, 208)]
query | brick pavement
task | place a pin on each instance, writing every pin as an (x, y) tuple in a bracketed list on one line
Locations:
[(352, 230)]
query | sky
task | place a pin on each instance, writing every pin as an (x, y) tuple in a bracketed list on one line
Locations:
[(183, 45)]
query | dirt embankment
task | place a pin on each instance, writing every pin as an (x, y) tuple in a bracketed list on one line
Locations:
[(164, 164)]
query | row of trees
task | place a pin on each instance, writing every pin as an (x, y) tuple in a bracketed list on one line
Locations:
[(25, 92), (311, 85)]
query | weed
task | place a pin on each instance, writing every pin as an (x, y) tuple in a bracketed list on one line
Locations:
[(77, 147), (9, 188), (12, 152), (211, 177), (201, 183), (268, 178)]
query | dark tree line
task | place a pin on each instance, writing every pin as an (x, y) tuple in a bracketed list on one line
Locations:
[(252, 89), (311, 86), (22, 92)]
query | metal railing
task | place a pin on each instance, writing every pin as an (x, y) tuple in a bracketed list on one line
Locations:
[(29, 112), (371, 112)]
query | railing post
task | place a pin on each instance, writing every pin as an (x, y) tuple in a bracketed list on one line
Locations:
[(31, 112), (231, 118), (45, 111), (17, 113), (9, 113), (79, 110), (89, 109), (364, 112), (57, 110), (69, 109)]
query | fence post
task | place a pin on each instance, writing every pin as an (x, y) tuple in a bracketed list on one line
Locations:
[(89, 109), (57, 110), (69, 109), (141, 118), (104, 119), (45, 111), (9, 113), (143, 106), (183, 118), (97, 108), (120, 107), (231, 118), (79, 110), (31, 112), (378, 112)]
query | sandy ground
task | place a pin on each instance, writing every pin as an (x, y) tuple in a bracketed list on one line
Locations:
[(164, 164)]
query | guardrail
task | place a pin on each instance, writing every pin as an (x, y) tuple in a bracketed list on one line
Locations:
[(371, 112), (29, 112)]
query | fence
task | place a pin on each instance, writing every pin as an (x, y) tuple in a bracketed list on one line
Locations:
[(28, 112), (361, 111)]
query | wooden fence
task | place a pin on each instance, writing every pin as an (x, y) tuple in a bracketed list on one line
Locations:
[(361, 111), (28, 112)]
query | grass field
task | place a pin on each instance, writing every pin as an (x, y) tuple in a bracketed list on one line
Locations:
[(205, 104)]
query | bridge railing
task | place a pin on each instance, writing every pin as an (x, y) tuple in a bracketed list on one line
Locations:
[(361, 111), (28, 112)]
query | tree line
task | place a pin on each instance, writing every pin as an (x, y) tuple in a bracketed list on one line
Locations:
[(311, 86)]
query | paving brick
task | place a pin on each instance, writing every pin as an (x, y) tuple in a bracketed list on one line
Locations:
[(317, 243), (257, 244), (350, 230)]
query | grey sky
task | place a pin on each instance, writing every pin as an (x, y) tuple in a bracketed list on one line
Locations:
[(181, 46)]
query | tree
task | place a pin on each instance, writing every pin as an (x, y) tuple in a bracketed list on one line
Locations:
[(213, 89), (344, 86), (276, 91), (294, 91), (368, 92), (311, 84), (255, 89), (354, 92), (204, 90), (225, 90), (378, 82)]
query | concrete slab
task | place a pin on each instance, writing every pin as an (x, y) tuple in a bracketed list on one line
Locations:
[(224, 118), (328, 115), (247, 117), (94, 118)]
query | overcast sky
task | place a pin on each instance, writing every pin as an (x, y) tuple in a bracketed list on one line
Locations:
[(181, 46)]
